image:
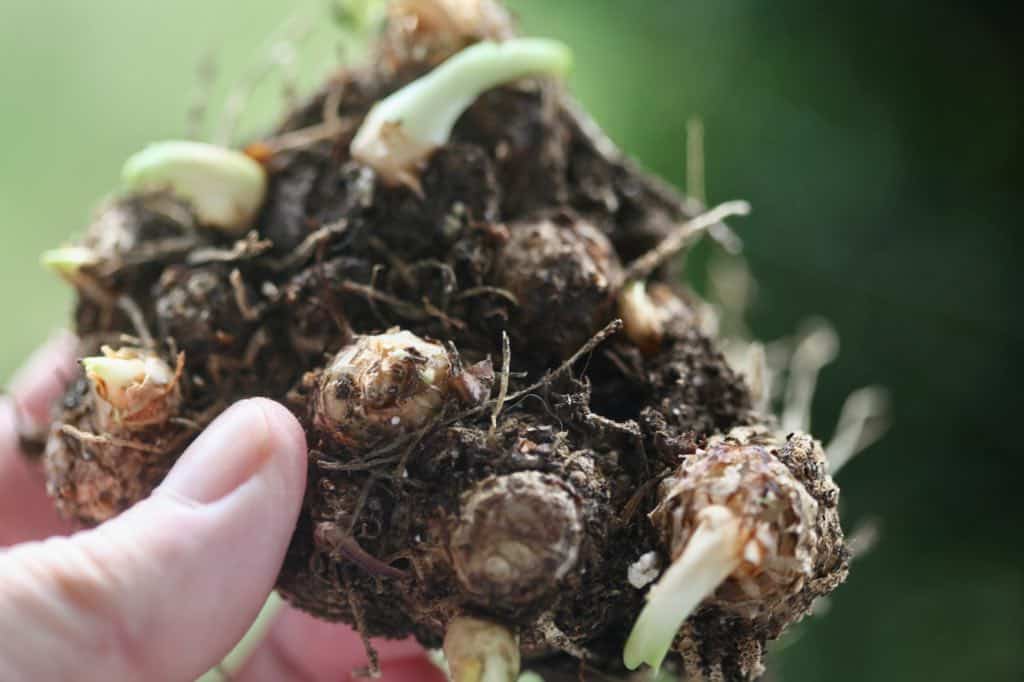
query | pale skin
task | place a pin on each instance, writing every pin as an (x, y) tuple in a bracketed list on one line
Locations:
[(165, 590)]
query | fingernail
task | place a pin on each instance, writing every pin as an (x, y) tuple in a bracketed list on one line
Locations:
[(228, 453)]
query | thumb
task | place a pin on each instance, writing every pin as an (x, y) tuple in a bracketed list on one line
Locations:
[(163, 591)]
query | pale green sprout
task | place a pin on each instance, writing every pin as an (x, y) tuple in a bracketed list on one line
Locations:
[(530, 676), (479, 650), (68, 261), (121, 377), (711, 554), (225, 187), (402, 129)]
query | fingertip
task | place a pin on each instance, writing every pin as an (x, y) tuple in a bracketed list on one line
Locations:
[(253, 438), (288, 439)]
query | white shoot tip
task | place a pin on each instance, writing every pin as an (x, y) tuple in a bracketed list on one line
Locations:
[(481, 651), (711, 554), (117, 375), (67, 261), (225, 187), (402, 129)]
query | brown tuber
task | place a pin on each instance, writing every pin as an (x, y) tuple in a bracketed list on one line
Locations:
[(518, 535), (118, 416)]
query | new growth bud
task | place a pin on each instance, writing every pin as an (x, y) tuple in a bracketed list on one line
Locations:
[(117, 436), (479, 650), (224, 187), (381, 386), (137, 386), (517, 536), (648, 312), (403, 129), (742, 533), (68, 261)]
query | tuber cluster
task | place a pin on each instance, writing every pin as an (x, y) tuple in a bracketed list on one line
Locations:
[(524, 446)]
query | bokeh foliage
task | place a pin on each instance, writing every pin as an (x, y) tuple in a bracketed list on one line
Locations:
[(879, 144)]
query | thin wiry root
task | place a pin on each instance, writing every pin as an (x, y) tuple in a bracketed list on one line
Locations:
[(755, 371), (712, 553), (596, 340), (817, 347), (506, 361), (272, 56), (106, 439), (304, 251), (373, 670), (246, 248), (249, 312), (138, 320), (684, 236), (863, 419), (864, 538)]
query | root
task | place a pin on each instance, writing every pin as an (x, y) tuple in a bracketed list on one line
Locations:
[(106, 439), (333, 126), (278, 49), (506, 361), (138, 320), (249, 312), (405, 309), (485, 290), (304, 251), (596, 340), (682, 238), (247, 248), (373, 670)]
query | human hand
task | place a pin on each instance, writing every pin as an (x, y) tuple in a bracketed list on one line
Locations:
[(163, 591)]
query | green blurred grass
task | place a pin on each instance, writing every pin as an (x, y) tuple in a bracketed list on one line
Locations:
[(879, 145)]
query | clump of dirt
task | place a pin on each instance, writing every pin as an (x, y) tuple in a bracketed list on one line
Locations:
[(485, 438)]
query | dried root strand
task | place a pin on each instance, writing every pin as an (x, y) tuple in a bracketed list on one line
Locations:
[(685, 235)]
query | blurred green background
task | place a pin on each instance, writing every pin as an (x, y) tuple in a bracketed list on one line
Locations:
[(879, 144)]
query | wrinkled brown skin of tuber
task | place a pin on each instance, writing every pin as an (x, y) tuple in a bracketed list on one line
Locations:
[(527, 512)]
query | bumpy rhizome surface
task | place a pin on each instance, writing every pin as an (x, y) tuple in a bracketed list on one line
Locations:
[(489, 443)]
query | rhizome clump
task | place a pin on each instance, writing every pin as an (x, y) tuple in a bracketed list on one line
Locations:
[(518, 430)]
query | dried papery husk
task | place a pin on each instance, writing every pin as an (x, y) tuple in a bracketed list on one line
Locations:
[(430, 31)]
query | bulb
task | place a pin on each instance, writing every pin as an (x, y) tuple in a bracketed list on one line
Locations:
[(742, 532), (381, 386), (517, 536)]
